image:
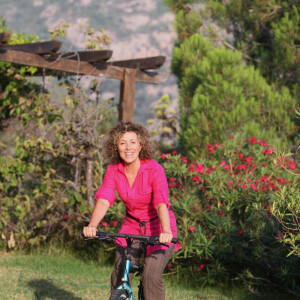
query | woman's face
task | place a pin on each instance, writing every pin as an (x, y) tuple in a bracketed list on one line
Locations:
[(129, 147)]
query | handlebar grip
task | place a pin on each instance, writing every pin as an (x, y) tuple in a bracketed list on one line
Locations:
[(174, 240)]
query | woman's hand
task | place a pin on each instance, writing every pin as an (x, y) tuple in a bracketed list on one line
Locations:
[(99, 212), (89, 231), (165, 237), (164, 217)]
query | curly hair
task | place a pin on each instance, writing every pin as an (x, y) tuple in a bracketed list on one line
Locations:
[(110, 147)]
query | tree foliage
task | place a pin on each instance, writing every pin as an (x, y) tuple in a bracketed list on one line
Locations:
[(267, 31), (223, 86), (47, 186), (219, 96)]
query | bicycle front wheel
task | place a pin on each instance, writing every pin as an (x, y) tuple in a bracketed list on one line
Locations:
[(119, 295)]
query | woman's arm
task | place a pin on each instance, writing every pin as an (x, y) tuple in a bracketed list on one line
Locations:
[(98, 214), (164, 217)]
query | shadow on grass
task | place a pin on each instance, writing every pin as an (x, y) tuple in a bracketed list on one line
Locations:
[(44, 288)]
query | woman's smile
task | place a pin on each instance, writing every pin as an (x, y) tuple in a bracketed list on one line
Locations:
[(129, 147)]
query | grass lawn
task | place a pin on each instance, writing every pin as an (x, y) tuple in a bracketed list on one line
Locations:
[(61, 277)]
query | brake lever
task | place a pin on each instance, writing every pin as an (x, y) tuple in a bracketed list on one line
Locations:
[(152, 243), (156, 242), (87, 239)]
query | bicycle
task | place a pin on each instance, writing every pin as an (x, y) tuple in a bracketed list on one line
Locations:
[(124, 291)]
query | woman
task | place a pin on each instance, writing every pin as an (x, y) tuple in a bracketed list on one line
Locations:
[(142, 185)]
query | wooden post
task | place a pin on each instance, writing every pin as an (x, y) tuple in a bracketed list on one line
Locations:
[(127, 92)]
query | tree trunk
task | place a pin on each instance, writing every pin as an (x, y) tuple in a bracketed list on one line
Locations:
[(89, 177), (77, 174)]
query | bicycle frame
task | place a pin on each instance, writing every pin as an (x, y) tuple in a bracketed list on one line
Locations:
[(128, 266), (125, 285)]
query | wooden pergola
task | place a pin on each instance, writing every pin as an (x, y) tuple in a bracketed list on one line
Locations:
[(46, 57)]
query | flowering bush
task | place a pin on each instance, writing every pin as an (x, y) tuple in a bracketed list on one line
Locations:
[(223, 205)]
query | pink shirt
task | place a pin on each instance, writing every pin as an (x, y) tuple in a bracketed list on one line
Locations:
[(148, 190)]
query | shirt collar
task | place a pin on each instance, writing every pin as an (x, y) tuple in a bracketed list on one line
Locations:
[(143, 166)]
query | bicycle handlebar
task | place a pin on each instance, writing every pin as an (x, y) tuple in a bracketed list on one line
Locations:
[(106, 235)]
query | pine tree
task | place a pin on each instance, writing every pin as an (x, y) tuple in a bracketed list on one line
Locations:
[(226, 88)]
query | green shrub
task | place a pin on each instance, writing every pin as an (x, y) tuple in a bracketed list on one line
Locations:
[(220, 96), (223, 206)]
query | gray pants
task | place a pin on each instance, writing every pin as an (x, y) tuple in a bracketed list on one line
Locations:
[(154, 265)]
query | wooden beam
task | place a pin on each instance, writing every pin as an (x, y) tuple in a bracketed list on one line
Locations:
[(4, 37), (77, 68), (147, 63), (93, 56), (37, 48), (127, 92)]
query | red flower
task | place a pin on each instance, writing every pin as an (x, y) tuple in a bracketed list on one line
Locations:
[(202, 266), (115, 223), (267, 151), (254, 187), (217, 145), (249, 179), (200, 168), (197, 179), (281, 180), (223, 162), (249, 160), (163, 156), (219, 212), (230, 182), (174, 152), (209, 170), (104, 224), (191, 228), (254, 167), (66, 217), (210, 148), (292, 166), (241, 167), (192, 167), (227, 167), (184, 159), (169, 266), (253, 140), (244, 186), (262, 143), (240, 232), (210, 206), (264, 178)]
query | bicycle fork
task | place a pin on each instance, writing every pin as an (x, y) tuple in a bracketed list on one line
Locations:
[(125, 285)]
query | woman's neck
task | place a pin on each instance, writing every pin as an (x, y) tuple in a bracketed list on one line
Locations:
[(132, 168)]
